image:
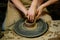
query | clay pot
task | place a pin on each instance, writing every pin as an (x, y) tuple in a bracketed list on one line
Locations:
[(29, 24)]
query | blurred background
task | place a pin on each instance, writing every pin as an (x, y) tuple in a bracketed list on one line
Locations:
[(54, 10), (3, 8)]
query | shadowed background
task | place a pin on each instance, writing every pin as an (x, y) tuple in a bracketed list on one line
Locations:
[(3, 7)]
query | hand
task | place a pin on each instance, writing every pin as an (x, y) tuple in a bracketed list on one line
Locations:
[(25, 13), (39, 11), (31, 14)]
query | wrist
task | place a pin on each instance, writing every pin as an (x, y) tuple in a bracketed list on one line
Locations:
[(24, 11), (42, 7), (32, 8)]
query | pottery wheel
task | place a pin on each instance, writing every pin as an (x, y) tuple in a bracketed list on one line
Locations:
[(39, 28)]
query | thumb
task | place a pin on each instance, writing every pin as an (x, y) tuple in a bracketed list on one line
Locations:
[(38, 15)]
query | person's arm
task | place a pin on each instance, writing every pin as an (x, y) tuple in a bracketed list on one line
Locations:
[(49, 2), (19, 5), (32, 10), (44, 5), (34, 4)]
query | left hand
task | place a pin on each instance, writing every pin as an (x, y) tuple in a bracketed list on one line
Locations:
[(31, 14), (39, 11)]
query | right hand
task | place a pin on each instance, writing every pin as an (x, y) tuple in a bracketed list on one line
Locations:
[(39, 12), (31, 14)]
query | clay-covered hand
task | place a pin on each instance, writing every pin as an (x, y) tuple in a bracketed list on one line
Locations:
[(31, 14), (39, 12)]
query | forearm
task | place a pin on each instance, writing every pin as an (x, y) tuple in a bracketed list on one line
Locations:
[(34, 4), (49, 2), (19, 5), (40, 2)]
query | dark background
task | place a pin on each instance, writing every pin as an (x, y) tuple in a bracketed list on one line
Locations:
[(3, 7), (54, 10)]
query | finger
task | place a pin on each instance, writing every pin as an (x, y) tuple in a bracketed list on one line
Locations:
[(37, 12), (31, 18), (38, 9), (28, 17), (38, 15)]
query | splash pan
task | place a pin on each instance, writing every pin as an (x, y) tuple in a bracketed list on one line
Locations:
[(39, 28)]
